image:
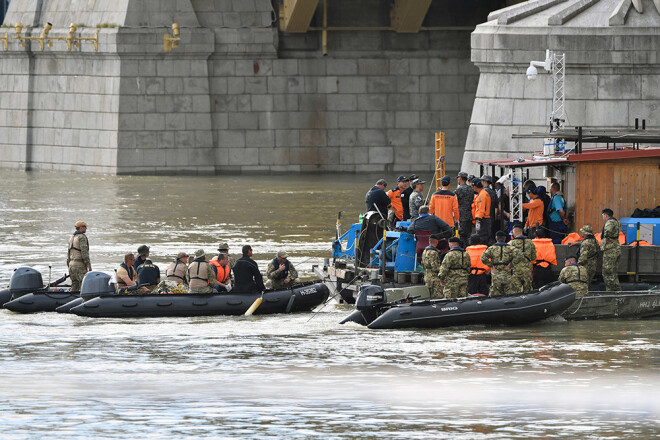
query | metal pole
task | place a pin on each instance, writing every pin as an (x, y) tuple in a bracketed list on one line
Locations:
[(637, 255)]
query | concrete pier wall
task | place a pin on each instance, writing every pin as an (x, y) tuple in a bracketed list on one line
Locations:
[(237, 95)]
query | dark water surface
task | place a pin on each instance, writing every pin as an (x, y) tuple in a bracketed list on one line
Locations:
[(286, 376)]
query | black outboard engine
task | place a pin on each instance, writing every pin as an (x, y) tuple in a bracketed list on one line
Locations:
[(96, 284), (369, 301), (25, 280)]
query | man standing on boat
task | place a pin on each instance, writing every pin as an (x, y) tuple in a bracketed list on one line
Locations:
[(454, 270), (557, 220), (535, 215), (444, 204), (280, 272), (78, 256), (431, 262), (482, 211), (465, 197), (416, 199), (479, 272), (377, 199), (522, 269), (405, 197), (200, 275), (499, 257), (611, 250), (588, 252), (395, 196), (575, 275), (487, 181), (246, 273)]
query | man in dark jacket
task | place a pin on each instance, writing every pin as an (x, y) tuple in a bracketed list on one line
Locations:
[(377, 199), (428, 222), (247, 278)]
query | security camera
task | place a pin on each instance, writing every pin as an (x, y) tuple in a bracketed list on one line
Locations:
[(532, 72)]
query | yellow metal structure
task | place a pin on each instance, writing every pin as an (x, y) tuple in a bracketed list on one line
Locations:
[(5, 40), (408, 15), (70, 39), (170, 41), (439, 158), (295, 15)]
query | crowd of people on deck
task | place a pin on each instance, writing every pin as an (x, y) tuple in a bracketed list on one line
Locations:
[(186, 273), (469, 251)]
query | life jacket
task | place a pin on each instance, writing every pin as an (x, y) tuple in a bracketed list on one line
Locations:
[(199, 275), (641, 243), (622, 238), (573, 237), (602, 231), (131, 274), (75, 254), (501, 261), (222, 273), (545, 252), (463, 253), (285, 273), (176, 271), (148, 274), (444, 205), (579, 276), (578, 253), (395, 197), (477, 266)]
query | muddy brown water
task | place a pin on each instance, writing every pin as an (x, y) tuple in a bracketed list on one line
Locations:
[(283, 376)]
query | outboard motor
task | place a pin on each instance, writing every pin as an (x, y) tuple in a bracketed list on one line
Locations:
[(96, 284), (368, 301), (25, 280)]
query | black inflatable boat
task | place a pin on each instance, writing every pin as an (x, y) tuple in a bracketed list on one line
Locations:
[(375, 312), (301, 298), (27, 294)]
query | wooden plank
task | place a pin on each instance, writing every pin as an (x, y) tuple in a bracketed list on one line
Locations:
[(297, 14), (408, 15)]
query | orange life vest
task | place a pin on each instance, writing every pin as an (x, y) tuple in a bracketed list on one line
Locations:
[(395, 197), (545, 252), (477, 266), (641, 243), (573, 237), (222, 272), (622, 238)]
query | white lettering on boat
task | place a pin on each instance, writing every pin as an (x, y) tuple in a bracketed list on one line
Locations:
[(308, 291), (444, 309)]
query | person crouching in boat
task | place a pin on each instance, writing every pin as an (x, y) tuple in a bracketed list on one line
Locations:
[(200, 274), (148, 275), (454, 270), (575, 276), (126, 275), (222, 270), (280, 272), (246, 273)]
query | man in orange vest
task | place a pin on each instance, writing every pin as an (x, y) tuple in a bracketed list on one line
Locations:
[(482, 211), (444, 203), (478, 280), (545, 257), (395, 196), (222, 270), (535, 215)]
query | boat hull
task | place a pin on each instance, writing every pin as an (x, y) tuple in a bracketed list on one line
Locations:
[(5, 297), (518, 309), (299, 299), (615, 305), (46, 301)]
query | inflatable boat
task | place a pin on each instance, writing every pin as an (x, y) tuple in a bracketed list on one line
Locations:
[(375, 312), (101, 302), (27, 294)]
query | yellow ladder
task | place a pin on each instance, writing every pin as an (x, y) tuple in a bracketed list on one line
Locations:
[(439, 158)]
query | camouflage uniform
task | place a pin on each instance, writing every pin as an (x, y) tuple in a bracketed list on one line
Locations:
[(431, 261), (415, 202), (522, 268), (273, 273), (577, 277), (500, 257), (588, 256), (611, 254), (454, 272), (465, 196), (78, 259)]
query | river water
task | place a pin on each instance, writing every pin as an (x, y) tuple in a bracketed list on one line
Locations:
[(289, 376)]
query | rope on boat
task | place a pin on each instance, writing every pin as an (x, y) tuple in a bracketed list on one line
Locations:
[(578, 307)]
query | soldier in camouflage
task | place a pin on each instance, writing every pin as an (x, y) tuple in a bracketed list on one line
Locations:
[(78, 256), (500, 257), (465, 195), (454, 270), (431, 261), (576, 276), (522, 268), (611, 250), (280, 273), (588, 253)]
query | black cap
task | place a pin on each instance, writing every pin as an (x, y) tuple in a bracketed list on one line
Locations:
[(454, 240), (418, 182), (413, 177), (476, 182), (436, 236), (381, 182), (446, 180), (471, 176), (487, 178), (402, 179), (463, 174), (143, 250)]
